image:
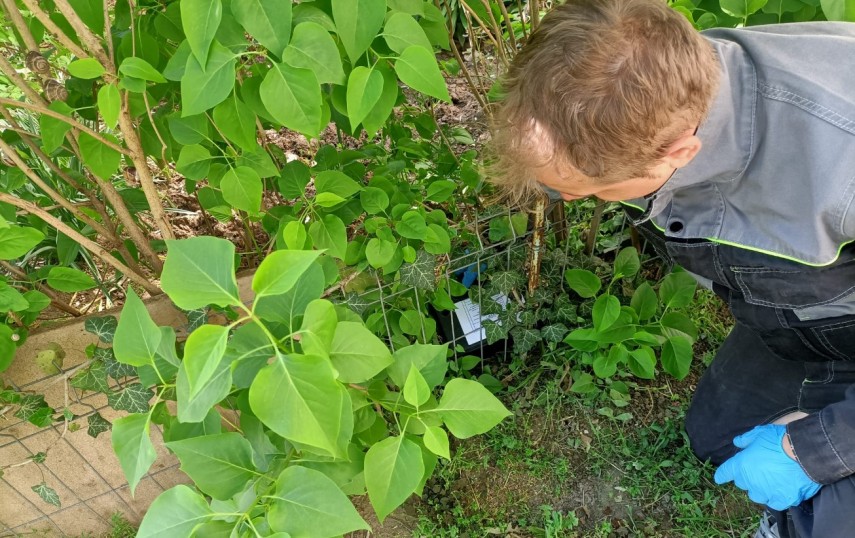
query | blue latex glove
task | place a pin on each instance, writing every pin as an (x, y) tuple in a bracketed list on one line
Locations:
[(764, 470)]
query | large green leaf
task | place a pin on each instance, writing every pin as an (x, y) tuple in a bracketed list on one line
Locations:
[(642, 362), (195, 407), (237, 122), (137, 335), (203, 87), (308, 504), (627, 263), (358, 22), (109, 104), (417, 68), (280, 270), (16, 241), (644, 301), (7, 347), (357, 362), (677, 356), (312, 47), (132, 445), (378, 115), (336, 182), (318, 329), (101, 159), (292, 95), (605, 312), (741, 8), (298, 397), (219, 465), (268, 21), (393, 470), (330, 234), (141, 69), (838, 10), (53, 130), (175, 514), (287, 308), (468, 408), (364, 88), (428, 358), (200, 271), (242, 189), (677, 289), (402, 31), (201, 19), (583, 282), (86, 68), (203, 351), (69, 280), (194, 162)]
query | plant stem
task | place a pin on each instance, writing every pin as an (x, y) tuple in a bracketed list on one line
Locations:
[(51, 27), (84, 241), (43, 109), (20, 24), (54, 299), (7, 69), (89, 39), (137, 155)]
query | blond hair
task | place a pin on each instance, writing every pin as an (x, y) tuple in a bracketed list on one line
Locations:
[(603, 86)]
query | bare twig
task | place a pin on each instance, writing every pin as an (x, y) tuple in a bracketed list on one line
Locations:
[(51, 27), (471, 83), (507, 18), (89, 39), (54, 298), (20, 25), (41, 109), (137, 155), (84, 241), (9, 70)]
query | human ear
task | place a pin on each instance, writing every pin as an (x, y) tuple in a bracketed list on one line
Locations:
[(682, 151)]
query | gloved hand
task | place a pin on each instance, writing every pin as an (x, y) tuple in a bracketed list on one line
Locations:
[(765, 471)]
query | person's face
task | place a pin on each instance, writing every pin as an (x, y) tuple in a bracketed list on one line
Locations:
[(570, 184)]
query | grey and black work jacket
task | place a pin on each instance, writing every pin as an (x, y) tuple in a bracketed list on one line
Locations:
[(764, 214)]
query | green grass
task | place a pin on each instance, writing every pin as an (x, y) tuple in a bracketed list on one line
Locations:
[(559, 469)]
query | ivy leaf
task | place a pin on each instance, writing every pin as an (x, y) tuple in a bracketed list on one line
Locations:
[(104, 327), (505, 281), (313, 48), (47, 493), (393, 470), (525, 339), (268, 21), (417, 68), (196, 318), (356, 302), (554, 333), (134, 399), (176, 513), (97, 424), (421, 273), (35, 410), (201, 19), (115, 369), (308, 503), (494, 331), (93, 378)]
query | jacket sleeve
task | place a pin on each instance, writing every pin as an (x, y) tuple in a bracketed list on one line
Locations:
[(824, 442)]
